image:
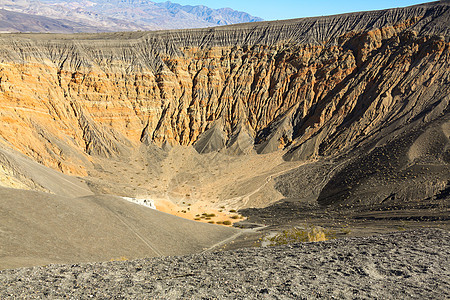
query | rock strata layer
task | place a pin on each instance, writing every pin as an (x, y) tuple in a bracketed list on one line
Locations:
[(314, 87)]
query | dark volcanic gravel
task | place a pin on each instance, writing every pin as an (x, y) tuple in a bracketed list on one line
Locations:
[(412, 264)]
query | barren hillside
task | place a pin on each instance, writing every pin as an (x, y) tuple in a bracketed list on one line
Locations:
[(344, 115), (69, 16)]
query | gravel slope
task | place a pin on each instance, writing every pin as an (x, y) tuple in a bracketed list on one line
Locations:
[(39, 228), (412, 264)]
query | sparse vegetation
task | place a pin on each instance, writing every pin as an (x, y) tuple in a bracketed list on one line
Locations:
[(208, 215), (300, 235), (226, 223), (122, 258), (345, 231)]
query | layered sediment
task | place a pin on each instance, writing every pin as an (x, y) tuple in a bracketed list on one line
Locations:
[(314, 87)]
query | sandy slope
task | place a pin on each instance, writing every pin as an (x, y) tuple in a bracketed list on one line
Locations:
[(38, 228), (32, 175), (407, 265)]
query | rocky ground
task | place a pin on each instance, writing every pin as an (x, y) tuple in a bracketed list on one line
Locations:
[(410, 264)]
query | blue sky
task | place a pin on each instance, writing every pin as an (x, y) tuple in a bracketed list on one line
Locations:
[(289, 9)]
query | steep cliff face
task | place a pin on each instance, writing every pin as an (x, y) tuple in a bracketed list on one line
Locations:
[(314, 87)]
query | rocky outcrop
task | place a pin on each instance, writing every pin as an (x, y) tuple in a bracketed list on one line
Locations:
[(315, 87)]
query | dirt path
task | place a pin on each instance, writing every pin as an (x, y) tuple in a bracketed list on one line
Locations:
[(230, 239), (246, 198), (135, 232)]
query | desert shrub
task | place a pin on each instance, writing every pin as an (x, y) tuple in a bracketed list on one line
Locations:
[(208, 215), (211, 222), (122, 258), (232, 211), (197, 219), (345, 230), (235, 217), (219, 222), (297, 235), (226, 223)]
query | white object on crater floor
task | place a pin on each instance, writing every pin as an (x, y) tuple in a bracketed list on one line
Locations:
[(144, 202)]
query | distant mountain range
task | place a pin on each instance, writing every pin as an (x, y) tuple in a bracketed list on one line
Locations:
[(70, 16)]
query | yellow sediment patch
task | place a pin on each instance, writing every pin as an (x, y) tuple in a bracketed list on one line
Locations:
[(199, 211)]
